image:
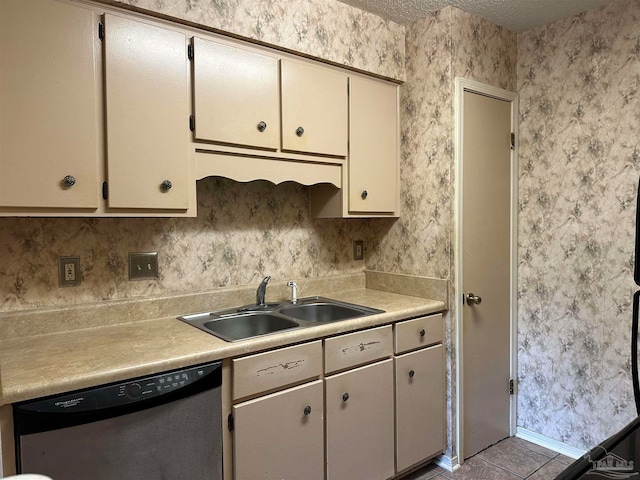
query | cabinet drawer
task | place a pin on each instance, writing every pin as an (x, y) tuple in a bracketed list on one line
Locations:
[(357, 348), (270, 370), (419, 332)]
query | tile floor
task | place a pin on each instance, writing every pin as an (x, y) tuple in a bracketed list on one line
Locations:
[(510, 459)]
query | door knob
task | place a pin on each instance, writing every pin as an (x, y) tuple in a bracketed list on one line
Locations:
[(473, 299)]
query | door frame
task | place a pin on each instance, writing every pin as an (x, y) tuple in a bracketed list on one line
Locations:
[(463, 85)]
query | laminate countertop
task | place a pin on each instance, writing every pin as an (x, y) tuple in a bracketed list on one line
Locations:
[(51, 363)]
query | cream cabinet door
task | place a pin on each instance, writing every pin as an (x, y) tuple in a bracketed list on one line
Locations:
[(419, 406), (280, 436), (236, 96), (146, 81), (359, 424), (314, 109), (49, 98), (373, 146)]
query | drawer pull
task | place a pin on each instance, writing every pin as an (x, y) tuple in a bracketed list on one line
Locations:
[(411, 373), (307, 410), (345, 397), (262, 126), (422, 333), (299, 131)]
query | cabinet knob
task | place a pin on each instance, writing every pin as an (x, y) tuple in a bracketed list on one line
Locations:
[(307, 410), (299, 131), (364, 194), (345, 397), (262, 126), (69, 181), (411, 373), (166, 185), (422, 333)]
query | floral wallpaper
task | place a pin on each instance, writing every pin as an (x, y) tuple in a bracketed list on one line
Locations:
[(578, 81), (242, 233), (440, 47), (323, 28)]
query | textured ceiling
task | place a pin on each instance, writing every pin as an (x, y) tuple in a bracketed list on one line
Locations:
[(515, 15)]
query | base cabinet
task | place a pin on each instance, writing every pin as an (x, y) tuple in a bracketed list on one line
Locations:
[(419, 406), (279, 436), (359, 432), (373, 409)]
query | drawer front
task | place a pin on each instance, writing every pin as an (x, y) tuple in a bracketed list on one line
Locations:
[(419, 332), (270, 370), (357, 348)]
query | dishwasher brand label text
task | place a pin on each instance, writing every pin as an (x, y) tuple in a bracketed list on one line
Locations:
[(69, 403)]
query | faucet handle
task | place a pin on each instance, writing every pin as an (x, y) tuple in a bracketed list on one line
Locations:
[(262, 291), (294, 291)]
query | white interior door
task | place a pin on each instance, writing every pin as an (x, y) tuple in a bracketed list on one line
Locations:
[(486, 263)]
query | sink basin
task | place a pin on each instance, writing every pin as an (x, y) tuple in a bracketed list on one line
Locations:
[(240, 326), (324, 312), (252, 321)]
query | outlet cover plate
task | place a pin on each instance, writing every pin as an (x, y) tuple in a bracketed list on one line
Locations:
[(143, 266), (69, 274), (358, 249)]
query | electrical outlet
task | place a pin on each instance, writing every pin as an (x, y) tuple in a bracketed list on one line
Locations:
[(69, 274), (358, 249), (143, 266)]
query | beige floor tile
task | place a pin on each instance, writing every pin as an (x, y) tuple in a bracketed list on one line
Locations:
[(564, 459), (515, 457), (425, 473), (548, 471), (532, 446), (478, 469)]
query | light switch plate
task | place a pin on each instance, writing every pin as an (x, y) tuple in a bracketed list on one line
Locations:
[(143, 266), (358, 249), (69, 274)]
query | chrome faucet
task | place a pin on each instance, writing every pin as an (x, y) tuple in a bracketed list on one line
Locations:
[(294, 291), (262, 291)]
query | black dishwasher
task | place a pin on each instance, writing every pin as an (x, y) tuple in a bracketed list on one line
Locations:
[(161, 427)]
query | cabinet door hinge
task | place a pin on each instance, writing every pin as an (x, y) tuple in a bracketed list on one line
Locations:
[(101, 30), (230, 422), (192, 123), (105, 190), (511, 386), (513, 141), (190, 52)]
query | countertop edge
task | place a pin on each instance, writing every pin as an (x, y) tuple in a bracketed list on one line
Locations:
[(39, 384)]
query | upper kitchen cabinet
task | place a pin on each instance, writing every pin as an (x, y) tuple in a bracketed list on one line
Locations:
[(236, 96), (314, 109), (49, 112), (147, 115), (371, 176), (373, 146)]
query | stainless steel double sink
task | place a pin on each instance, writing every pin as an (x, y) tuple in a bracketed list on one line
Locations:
[(236, 324)]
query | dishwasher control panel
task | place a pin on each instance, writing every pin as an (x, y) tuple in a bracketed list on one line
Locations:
[(124, 393)]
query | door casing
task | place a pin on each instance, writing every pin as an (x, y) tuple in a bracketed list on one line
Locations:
[(465, 85)]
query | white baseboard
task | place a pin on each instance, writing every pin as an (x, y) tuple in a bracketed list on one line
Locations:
[(450, 464), (549, 443)]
